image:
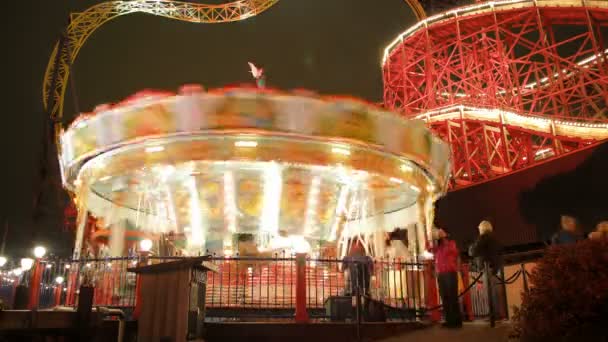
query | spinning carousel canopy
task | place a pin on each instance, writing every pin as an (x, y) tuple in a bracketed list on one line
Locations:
[(212, 164)]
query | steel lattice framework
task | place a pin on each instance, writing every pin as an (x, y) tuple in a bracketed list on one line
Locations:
[(504, 82), (83, 24)]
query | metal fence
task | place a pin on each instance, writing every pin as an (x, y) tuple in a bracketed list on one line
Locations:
[(241, 284)]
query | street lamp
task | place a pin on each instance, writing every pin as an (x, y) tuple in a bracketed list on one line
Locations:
[(39, 252), (3, 261), (26, 264)]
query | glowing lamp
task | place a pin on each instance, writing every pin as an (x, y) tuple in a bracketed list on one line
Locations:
[(39, 252), (245, 143), (59, 280), (145, 245), (340, 150), (153, 149), (17, 271), (300, 245), (26, 264), (3, 261)]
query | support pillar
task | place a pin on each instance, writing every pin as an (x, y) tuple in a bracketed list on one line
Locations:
[(301, 313), (35, 279), (466, 298), (143, 261), (432, 299), (58, 290)]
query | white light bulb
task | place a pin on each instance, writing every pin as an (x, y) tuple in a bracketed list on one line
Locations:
[(39, 252), (26, 264), (145, 245), (59, 280), (3, 261)]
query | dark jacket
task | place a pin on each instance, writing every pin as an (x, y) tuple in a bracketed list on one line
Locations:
[(487, 249)]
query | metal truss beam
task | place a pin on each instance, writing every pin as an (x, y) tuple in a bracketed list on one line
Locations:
[(506, 83), (83, 24)]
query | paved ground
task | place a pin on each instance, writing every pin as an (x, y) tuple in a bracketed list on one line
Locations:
[(476, 331)]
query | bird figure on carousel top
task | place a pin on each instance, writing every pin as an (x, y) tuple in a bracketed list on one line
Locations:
[(258, 75)]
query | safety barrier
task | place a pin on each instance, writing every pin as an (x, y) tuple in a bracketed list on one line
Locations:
[(266, 287)]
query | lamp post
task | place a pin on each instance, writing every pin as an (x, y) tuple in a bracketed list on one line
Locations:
[(36, 277), (144, 252), (58, 289)]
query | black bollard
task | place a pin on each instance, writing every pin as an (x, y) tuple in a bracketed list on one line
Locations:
[(83, 312), (525, 275)]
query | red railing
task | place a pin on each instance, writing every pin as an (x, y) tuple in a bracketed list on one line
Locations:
[(243, 284)]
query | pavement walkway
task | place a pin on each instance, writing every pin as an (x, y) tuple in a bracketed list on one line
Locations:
[(475, 331)]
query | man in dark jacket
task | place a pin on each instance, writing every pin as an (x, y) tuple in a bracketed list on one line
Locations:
[(488, 249)]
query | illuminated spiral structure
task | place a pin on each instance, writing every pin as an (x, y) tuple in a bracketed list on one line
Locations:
[(290, 170), (505, 83)]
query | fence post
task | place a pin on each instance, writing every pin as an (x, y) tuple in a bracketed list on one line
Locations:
[(466, 299), (432, 299), (301, 313), (72, 284), (525, 275), (142, 261), (58, 290), (83, 311), (358, 301), (489, 290), (35, 285)]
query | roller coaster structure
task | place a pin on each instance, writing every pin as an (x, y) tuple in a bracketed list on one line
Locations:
[(506, 83), (483, 76)]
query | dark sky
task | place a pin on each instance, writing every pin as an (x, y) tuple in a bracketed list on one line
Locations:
[(332, 46)]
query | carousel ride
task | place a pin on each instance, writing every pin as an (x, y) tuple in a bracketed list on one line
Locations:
[(197, 171)]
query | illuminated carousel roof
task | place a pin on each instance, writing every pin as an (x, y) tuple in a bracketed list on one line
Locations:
[(207, 164)]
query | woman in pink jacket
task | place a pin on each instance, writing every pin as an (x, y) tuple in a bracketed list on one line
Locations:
[(446, 265)]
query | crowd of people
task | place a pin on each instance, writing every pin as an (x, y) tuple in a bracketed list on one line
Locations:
[(488, 249), (486, 255)]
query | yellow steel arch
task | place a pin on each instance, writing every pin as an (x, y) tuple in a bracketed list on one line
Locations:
[(417, 8), (83, 24)]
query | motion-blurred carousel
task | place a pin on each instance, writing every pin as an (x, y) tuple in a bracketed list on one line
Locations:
[(201, 171)]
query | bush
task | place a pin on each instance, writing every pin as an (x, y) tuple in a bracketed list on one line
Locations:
[(568, 297)]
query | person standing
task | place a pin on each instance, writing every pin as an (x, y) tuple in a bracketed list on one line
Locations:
[(487, 249), (601, 231), (359, 267), (446, 264), (569, 232)]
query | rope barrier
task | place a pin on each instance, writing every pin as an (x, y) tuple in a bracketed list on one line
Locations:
[(475, 281), (509, 280)]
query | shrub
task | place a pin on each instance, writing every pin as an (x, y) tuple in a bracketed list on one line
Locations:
[(568, 297)]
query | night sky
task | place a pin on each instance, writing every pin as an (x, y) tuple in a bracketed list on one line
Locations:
[(331, 46)]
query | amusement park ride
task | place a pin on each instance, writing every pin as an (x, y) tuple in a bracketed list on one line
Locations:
[(505, 84)]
